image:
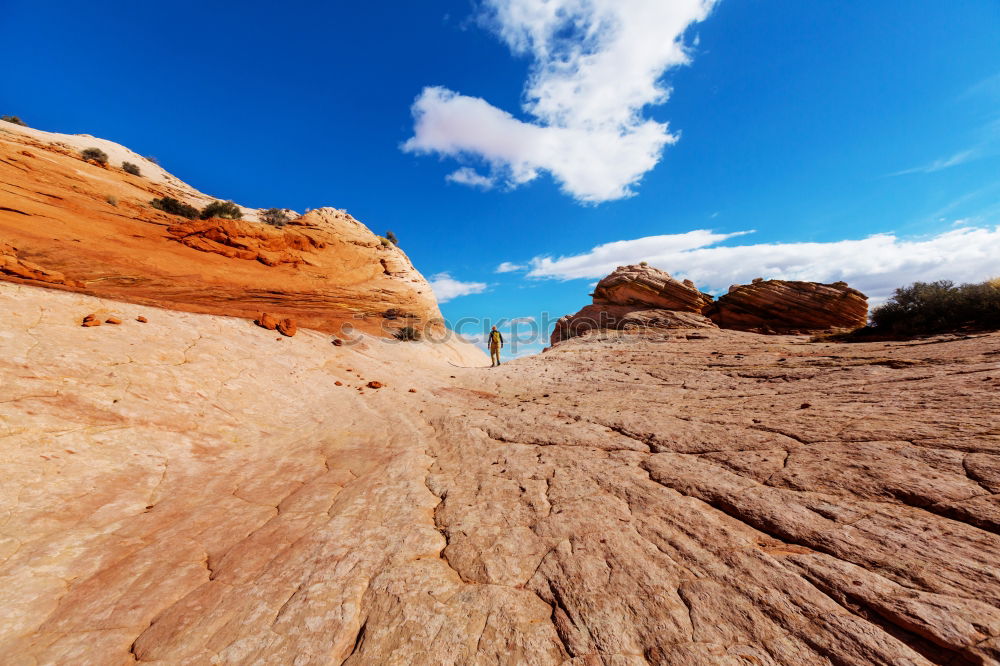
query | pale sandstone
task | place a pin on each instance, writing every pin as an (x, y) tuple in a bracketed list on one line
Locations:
[(195, 492)]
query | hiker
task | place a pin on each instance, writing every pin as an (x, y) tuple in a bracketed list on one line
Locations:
[(496, 344)]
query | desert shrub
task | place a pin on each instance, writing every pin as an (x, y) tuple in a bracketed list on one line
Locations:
[(936, 307), (385, 241), (150, 158), (14, 119), (391, 237), (224, 209), (273, 216), (95, 154), (112, 199), (644, 263), (128, 167), (407, 334), (175, 207)]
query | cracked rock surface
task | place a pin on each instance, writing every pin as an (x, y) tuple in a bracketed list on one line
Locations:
[(192, 491)]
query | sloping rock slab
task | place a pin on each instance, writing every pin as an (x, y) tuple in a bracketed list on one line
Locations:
[(779, 306)]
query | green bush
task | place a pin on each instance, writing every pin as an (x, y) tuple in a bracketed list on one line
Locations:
[(133, 169), (227, 210), (273, 216), (391, 237), (385, 241), (175, 207), (407, 334), (937, 307), (14, 119), (95, 154)]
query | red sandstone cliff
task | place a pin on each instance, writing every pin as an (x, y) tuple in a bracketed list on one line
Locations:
[(84, 227)]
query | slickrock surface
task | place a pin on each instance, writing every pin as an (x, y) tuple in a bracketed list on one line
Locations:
[(783, 306), (192, 491), (324, 270), (624, 317), (649, 287)]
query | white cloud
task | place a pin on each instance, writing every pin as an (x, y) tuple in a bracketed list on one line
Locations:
[(940, 164), (446, 287), (596, 65), (603, 259), (510, 267), (876, 265), (469, 176)]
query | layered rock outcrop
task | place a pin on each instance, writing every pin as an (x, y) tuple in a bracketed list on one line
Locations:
[(651, 288), (790, 307), (92, 229), (639, 296), (196, 491), (624, 317)]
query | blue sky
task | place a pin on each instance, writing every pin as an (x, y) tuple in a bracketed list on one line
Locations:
[(806, 140)]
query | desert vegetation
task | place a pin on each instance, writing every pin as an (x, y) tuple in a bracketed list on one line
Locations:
[(391, 237), (937, 307), (112, 199), (227, 210), (275, 217), (14, 119), (408, 334), (133, 169), (95, 154), (174, 207)]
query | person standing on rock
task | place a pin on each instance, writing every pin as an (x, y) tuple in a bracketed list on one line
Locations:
[(496, 344)]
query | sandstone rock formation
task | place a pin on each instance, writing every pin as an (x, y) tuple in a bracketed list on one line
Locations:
[(783, 306), (192, 493), (13, 266), (650, 288), (324, 269), (624, 317), (635, 297)]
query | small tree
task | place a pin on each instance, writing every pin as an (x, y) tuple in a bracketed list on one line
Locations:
[(276, 217), (14, 119), (95, 154), (408, 334), (128, 167), (391, 237), (175, 207), (227, 210)]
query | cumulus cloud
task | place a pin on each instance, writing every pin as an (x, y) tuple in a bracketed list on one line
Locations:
[(876, 264), (510, 267), (596, 66), (446, 287), (471, 177)]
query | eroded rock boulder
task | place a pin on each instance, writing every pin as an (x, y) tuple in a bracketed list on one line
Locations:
[(780, 306), (638, 297), (640, 285)]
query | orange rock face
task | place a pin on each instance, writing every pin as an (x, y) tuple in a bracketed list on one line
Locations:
[(12, 266), (649, 287), (636, 297), (780, 306), (324, 269)]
